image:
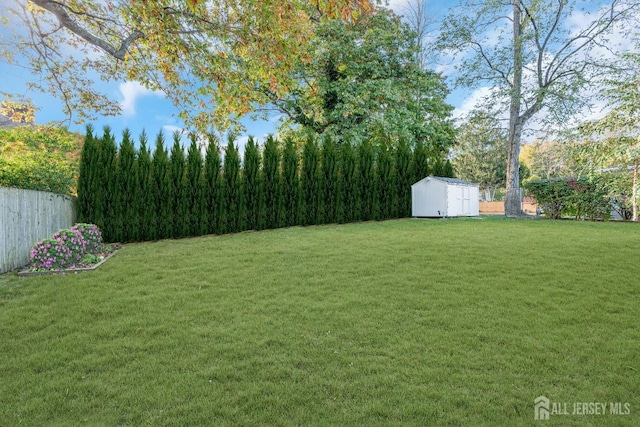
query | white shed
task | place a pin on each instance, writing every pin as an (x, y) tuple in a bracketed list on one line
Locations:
[(435, 196)]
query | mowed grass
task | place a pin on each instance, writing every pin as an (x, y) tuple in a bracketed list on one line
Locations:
[(408, 322)]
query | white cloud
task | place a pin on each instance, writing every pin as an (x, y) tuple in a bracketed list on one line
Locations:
[(130, 92), (171, 129)]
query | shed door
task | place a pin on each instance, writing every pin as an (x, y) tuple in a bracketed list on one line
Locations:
[(466, 200)]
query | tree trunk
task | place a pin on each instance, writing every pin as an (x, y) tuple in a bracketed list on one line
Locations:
[(634, 193), (512, 202)]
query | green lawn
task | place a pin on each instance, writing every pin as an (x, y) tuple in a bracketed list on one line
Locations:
[(408, 322)]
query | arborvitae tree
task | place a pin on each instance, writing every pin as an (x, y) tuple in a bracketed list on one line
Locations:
[(192, 189), (419, 162), (110, 195), (385, 187), (176, 167), (349, 179), (159, 187), (145, 212), (87, 178), (271, 180), (447, 170), (251, 185), (403, 179), (232, 187), (127, 184), (330, 186), (99, 187), (438, 167), (366, 181), (290, 184), (309, 181), (213, 200)]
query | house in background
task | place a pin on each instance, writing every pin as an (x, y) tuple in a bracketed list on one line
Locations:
[(5, 121), (437, 197), (14, 114)]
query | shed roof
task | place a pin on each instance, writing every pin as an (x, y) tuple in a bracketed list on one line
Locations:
[(447, 180)]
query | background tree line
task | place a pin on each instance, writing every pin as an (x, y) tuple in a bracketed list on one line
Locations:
[(149, 194)]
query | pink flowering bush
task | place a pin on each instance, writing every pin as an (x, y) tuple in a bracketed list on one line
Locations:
[(91, 235), (51, 254), (67, 247)]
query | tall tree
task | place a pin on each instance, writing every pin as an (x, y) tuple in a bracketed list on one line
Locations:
[(110, 194), (404, 179), (229, 51), (251, 183), (549, 159), (145, 212), (366, 184), (614, 140), (480, 155), (416, 13), (87, 178), (447, 170), (290, 183), (330, 197), (385, 185), (309, 182), (213, 200), (349, 182), (528, 52), (271, 179), (160, 184), (176, 167), (419, 162), (127, 183), (232, 188), (364, 76), (192, 189)]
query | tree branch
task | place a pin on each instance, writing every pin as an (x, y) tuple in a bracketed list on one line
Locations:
[(59, 10)]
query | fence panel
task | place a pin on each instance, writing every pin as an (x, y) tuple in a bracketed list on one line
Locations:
[(27, 216)]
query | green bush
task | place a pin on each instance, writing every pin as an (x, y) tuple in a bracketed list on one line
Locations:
[(580, 198), (67, 247), (40, 158)]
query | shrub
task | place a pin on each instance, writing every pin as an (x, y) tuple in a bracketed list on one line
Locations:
[(580, 198), (91, 236), (553, 195), (50, 254), (67, 247), (41, 158)]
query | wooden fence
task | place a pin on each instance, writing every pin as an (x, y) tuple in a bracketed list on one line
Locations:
[(26, 217)]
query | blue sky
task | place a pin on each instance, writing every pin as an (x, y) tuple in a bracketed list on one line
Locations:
[(144, 109)]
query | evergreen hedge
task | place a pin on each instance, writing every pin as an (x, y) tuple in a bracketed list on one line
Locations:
[(137, 195)]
